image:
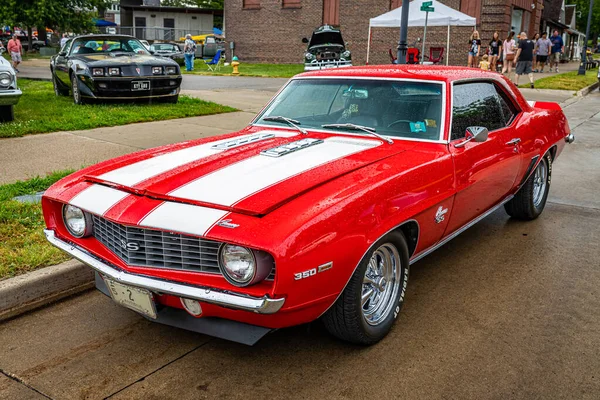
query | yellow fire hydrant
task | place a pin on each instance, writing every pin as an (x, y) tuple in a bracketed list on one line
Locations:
[(235, 63)]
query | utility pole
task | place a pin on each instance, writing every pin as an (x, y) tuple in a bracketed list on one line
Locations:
[(583, 63), (402, 45)]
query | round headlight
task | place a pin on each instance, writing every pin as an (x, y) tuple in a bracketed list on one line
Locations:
[(309, 56), (237, 264), (78, 223), (5, 79), (346, 54)]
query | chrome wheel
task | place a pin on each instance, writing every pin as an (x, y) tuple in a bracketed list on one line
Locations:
[(381, 284), (76, 94), (540, 181)]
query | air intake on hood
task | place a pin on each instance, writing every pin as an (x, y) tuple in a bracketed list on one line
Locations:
[(290, 147), (242, 141)]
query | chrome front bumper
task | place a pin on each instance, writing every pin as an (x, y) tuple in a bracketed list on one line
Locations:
[(10, 97), (570, 138), (319, 65), (260, 305)]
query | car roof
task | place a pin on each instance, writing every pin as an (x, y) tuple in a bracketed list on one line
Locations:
[(408, 71), (104, 35)]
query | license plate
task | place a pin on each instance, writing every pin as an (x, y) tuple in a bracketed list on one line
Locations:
[(134, 298), (140, 85)]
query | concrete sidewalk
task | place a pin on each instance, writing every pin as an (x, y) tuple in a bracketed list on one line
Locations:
[(32, 155)]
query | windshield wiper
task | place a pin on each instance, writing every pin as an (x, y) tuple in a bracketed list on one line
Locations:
[(355, 127), (289, 121)]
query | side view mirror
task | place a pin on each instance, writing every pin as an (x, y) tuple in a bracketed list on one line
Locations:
[(62, 53), (304, 40), (477, 134)]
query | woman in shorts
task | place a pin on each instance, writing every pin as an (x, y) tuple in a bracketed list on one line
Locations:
[(495, 50), (474, 49)]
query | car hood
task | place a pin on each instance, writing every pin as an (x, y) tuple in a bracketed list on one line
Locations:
[(107, 60), (252, 173)]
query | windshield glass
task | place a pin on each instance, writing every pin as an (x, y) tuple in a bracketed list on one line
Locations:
[(164, 47), (393, 108), (100, 45)]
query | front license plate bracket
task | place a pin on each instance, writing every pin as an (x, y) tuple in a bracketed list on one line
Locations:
[(140, 85), (137, 299)]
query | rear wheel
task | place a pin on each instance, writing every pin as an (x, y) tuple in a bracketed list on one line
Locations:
[(530, 200), (7, 113), (367, 308)]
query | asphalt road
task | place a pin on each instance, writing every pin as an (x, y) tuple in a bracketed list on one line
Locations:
[(508, 310)]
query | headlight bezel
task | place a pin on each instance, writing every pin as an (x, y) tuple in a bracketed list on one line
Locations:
[(225, 272), (171, 68), (87, 219), (157, 70), (114, 71), (97, 71)]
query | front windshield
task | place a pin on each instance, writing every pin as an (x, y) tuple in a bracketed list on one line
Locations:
[(100, 45), (394, 108)]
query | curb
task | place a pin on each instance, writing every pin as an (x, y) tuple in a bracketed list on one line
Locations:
[(38, 288), (34, 78), (588, 89)]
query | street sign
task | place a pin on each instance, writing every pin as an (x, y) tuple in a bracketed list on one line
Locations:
[(427, 8), (427, 4)]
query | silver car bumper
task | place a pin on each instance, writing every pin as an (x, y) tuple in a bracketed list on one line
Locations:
[(318, 65), (262, 305), (10, 97)]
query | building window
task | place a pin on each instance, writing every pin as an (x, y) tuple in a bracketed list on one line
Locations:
[(251, 4), (291, 4), (331, 12)]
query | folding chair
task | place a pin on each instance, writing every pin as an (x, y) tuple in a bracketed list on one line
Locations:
[(215, 63), (436, 54)]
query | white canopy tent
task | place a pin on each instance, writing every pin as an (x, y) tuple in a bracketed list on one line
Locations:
[(442, 16)]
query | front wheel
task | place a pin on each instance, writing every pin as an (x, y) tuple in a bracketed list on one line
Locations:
[(77, 97), (7, 113), (530, 200), (367, 308)]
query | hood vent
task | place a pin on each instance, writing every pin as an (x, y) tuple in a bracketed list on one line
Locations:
[(291, 147), (230, 144)]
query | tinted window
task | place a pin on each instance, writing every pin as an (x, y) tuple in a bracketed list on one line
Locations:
[(475, 104), (508, 109)]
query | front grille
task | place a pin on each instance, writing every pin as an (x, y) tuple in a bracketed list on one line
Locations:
[(159, 249)]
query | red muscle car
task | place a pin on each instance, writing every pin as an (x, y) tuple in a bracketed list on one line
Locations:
[(317, 208)]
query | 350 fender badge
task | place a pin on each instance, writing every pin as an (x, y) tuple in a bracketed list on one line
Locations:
[(226, 223), (440, 214), (313, 271)]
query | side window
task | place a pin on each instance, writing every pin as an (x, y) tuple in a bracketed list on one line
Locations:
[(509, 111), (475, 104)]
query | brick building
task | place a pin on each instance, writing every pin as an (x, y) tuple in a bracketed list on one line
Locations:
[(272, 30)]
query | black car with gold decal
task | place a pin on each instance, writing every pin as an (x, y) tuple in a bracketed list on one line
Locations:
[(113, 67)]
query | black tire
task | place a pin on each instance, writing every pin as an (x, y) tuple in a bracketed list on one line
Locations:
[(347, 320), (75, 92), (57, 89), (7, 113), (527, 203)]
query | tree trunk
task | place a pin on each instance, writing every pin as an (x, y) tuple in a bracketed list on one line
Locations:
[(29, 38)]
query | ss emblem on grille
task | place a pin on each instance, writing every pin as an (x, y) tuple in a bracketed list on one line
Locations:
[(130, 246)]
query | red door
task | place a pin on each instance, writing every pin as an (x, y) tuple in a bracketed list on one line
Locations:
[(485, 172)]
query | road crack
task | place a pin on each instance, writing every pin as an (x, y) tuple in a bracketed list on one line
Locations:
[(22, 382)]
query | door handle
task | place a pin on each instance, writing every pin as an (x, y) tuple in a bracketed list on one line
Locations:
[(513, 142)]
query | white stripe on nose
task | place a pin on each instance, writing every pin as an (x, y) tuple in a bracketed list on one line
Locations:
[(98, 199)]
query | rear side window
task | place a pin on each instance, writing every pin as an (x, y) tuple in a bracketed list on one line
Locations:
[(476, 104)]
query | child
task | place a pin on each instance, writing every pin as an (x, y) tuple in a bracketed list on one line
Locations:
[(484, 64)]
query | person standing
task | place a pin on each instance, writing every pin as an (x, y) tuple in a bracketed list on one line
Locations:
[(536, 37), (474, 49), (543, 47), (189, 50), (524, 59), (15, 49), (558, 47), (64, 40), (495, 50), (508, 47)]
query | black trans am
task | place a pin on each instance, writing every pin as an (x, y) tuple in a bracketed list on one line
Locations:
[(113, 67), (326, 49)]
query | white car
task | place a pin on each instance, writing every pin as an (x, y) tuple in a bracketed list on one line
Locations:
[(9, 91), (146, 44)]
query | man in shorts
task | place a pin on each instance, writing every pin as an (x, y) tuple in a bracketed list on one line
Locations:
[(524, 59), (15, 49), (558, 47), (543, 45)]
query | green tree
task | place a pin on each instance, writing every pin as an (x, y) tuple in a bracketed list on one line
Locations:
[(64, 15), (212, 4), (583, 7)]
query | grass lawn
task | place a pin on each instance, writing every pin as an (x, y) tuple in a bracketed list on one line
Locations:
[(23, 246), (28, 56), (41, 111), (566, 81), (262, 70)]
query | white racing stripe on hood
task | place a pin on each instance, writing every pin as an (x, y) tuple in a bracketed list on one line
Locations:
[(133, 174), (98, 199), (184, 218), (233, 183)]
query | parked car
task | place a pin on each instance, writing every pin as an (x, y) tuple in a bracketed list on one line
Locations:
[(168, 50), (326, 49), (105, 67), (318, 208), (9, 91)]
